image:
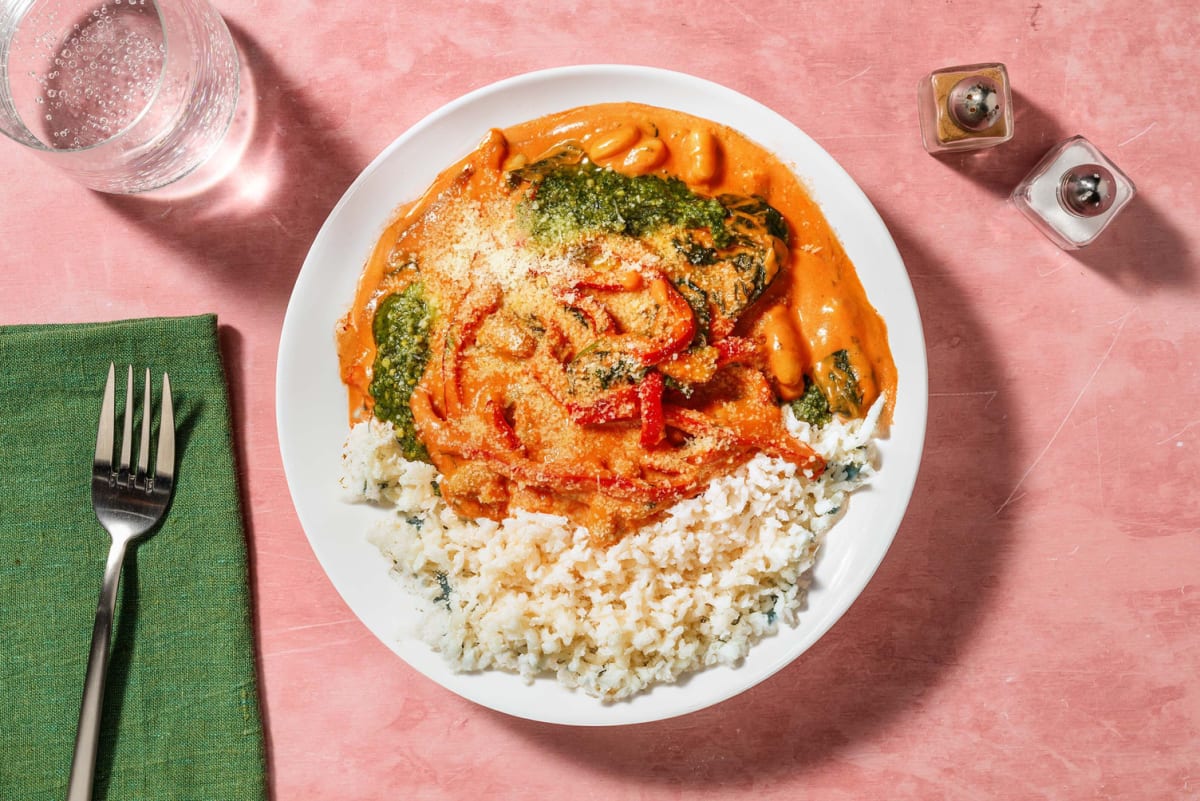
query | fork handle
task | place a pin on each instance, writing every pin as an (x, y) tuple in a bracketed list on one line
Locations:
[(83, 765)]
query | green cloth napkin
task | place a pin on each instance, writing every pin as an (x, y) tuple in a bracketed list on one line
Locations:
[(181, 714)]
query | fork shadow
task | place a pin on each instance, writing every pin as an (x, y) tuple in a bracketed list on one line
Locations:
[(900, 638)]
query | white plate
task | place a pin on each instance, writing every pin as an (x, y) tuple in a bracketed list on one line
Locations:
[(311, 401)]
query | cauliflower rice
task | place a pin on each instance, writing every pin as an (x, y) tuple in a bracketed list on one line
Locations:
[(532, 595)]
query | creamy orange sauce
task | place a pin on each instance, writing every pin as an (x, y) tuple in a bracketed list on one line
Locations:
[(484, 406)]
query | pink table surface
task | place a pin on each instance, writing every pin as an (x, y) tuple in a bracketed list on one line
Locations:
[(1034, 631)]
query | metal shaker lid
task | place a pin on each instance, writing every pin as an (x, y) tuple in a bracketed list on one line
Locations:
[(975, 103), (1087, 190)]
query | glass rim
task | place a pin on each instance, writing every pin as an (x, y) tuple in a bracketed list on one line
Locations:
[(35, 142)]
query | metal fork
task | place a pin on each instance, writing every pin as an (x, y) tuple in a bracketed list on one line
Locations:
[(128, 504)]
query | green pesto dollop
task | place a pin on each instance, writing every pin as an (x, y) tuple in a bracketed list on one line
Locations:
[(401, 327), (833, 389), (573, 198), (812, 407)]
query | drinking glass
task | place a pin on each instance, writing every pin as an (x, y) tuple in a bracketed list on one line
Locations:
[(122, 95)]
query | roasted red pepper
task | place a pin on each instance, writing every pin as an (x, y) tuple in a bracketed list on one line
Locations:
[(475, 310), (650, 406), (504, 430), (616, 404), (736, 350), (677, 325)]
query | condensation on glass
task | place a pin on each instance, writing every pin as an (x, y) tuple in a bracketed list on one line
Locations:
[(122, 95)]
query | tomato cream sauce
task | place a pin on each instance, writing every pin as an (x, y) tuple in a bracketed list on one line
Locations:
[(504, 418)]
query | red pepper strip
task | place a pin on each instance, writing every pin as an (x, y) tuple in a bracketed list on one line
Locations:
[(633, 489), (643, 399), (600, 286), (628, 279), (447, 439), (650, 405), (683, 322), (618, 404), (504, 430), (694, 422), (730, 350), (790, 449), (678, 328), (721, 327), (475, 310)]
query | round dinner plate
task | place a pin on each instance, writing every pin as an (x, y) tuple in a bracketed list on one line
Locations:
[(311, 402)]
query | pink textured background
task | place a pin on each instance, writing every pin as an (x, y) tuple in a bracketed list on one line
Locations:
[(1035, 630)]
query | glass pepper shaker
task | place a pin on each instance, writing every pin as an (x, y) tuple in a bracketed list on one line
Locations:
[(965, 108), (1073, 193)]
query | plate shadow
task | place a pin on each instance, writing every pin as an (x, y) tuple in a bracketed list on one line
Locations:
[(902, 635)]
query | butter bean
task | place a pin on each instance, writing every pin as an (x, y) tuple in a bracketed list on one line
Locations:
[(759, 182), (615, 141), (515, 162), (645, 156), (702, 156), (785, 353), (630, 280)]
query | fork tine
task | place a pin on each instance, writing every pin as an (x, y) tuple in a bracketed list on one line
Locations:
[(164, 467), (127, 428), (144, 442), (104, 434)]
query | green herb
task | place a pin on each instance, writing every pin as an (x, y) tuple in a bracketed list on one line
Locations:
[(567, 154), (686, 390), (751, 267), (771, 615), (401, 327), (579, 316), (812, 407), (697, 299), (695, 253), (444, 583), (594, 369), (736, 274), (622, 371), (750, 214), (841, 385), (535, 325)]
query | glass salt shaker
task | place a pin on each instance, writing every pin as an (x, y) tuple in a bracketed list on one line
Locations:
[(965, 108), (1073, 193)]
